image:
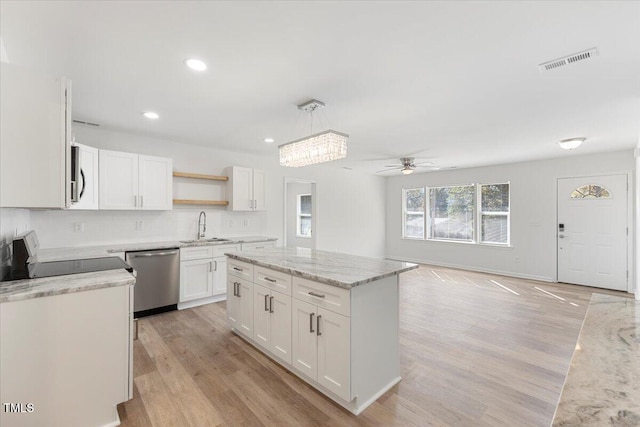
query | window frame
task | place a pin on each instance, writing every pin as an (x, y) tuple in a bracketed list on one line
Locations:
[(477, 216), (481, 213), (299, 215), (429, 221), (404, 214)]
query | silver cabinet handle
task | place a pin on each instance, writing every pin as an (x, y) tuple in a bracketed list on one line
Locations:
[(270, 304), (318, 324), (239, 286), (313, 294), (215, 265), (269, 279), (266, 298), (561, 236), (237, 269), (235, 293), (141, 201), (311, 322), (135, 201), (210, 266)]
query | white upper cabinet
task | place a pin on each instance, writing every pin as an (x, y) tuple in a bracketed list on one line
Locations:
[(88, 185), (246, 189), (35, 150), (155, 183), (130, 181)]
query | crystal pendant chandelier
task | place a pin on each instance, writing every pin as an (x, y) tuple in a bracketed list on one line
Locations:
[(316, 148)]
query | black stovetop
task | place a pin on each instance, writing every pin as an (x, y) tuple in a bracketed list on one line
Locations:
[(60, 268)]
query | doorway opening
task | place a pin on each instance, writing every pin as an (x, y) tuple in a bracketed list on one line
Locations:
[(300, 213)]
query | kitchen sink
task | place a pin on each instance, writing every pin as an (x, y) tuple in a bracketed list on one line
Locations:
[(211, 240)]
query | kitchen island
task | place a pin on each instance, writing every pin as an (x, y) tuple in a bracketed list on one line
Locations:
[(330, 318)]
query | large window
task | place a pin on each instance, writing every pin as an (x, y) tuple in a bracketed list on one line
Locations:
[(413, 208), (452, 212), (475, 213), (494, 214), (304, 215)]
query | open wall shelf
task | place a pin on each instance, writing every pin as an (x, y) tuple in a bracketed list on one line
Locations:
[(198, 201)]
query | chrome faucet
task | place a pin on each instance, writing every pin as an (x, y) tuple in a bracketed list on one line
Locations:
[(202, 225)]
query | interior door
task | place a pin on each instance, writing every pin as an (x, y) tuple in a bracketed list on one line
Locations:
[(592, 231)]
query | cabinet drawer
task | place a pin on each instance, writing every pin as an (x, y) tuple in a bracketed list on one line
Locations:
[(195, 252), (240, 269), (258, 245), (272, 279), (220, 250), (330, 297)]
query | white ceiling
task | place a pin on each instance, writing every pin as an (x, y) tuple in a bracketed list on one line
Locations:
[(456, 82)]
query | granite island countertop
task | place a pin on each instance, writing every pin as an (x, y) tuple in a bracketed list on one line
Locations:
[(18, 290), (333, 268)]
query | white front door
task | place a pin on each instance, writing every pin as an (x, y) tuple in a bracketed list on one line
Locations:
[(592, 231)]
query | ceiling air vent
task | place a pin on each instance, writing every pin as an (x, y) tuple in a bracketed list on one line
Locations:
[(80, 122), (561, 62)]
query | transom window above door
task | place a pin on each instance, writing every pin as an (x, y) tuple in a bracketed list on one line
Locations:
[(591, 191)]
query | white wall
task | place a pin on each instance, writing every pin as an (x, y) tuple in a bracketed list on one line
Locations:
[(343, 197), (293, 190), (533, 214), (12, 222)]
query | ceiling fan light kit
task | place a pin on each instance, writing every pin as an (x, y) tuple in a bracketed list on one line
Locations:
[(320, 147), (571, 143)]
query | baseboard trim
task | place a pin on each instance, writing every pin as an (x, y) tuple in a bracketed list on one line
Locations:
[(477, 269)]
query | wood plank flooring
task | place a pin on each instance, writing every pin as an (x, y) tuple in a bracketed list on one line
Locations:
[(475, 350)]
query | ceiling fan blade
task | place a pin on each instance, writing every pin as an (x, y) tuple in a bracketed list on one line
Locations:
[(388, 170), (424, 164), (394, 166)]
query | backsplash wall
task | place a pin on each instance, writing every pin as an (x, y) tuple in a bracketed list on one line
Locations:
[(82, 228), (12, 222)]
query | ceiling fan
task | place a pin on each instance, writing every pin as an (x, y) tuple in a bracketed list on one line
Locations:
[(407, 166)]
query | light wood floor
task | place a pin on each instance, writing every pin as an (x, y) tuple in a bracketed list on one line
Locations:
[(475, 350)]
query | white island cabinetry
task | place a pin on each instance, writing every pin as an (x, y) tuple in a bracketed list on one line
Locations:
[(339, 333)]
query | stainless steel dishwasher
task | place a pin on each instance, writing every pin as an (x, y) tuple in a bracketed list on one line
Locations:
[(157, 286)]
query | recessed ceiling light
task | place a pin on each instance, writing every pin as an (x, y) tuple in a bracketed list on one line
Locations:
[(571, 143), (269, 140), (150, 115), (195, 64)]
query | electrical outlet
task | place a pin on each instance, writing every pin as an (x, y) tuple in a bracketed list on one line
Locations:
[(139, 225), (246, 223), (78, 227)]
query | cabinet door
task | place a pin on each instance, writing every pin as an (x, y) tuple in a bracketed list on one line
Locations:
[(34, 139), (196, 279), (334, 352), (155, 186), (280, 311), (242, 188), (220, 275), (89, 188), (118, 180), (245, 318), (259, 190), (233, 302), (304, 346), (261, 316)]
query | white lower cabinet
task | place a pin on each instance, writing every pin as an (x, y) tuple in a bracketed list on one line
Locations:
[(196, 279), (240, 305), (203, 274), (321, 346), (272, 321)]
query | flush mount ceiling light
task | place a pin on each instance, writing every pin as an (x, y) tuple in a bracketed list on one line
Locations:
[(316, 148), (571, 143), (150, 115), (195, 64)]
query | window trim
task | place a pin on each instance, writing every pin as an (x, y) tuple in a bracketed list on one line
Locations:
[(404, 214), (478, 213), (299, 215)]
